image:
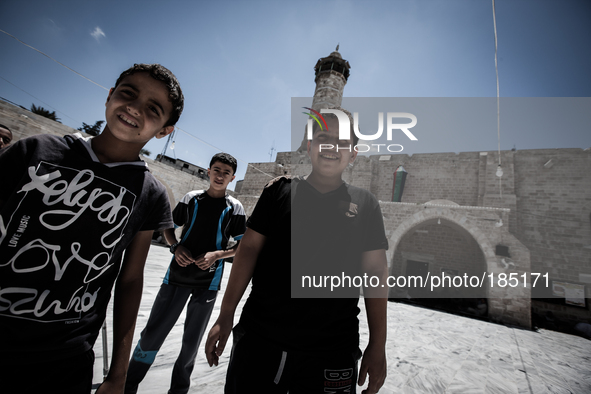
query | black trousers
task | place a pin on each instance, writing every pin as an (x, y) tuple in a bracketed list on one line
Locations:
[(66, 376), (257, 365)]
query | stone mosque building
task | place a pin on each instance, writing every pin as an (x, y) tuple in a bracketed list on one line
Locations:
[(450, 218)]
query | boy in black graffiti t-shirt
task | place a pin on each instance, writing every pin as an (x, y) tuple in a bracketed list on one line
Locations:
[(69, 208), (322, 225)]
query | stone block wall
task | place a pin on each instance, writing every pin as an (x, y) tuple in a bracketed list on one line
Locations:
[(446, 246), (248, 202), (431, 176), (553, 206), (177, 182), (554, 210), (255, 180), (23, 123)]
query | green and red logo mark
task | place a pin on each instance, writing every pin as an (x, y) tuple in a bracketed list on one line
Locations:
[(345, 129), (315, 118)]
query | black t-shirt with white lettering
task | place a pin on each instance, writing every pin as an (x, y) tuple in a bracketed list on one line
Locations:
[(65, 222)]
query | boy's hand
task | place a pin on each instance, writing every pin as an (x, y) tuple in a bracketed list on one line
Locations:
[(217, 338), (183, 256), (374, 364), (110, 386), (207, 260)]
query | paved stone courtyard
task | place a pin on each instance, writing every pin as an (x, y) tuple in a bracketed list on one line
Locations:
[(428, 352)]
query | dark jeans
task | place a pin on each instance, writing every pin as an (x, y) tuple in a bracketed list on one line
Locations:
[(67, 376), (168, 305)]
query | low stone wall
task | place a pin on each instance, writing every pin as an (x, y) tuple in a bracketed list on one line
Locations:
[(23, 123), (177, 183), (248, 202)]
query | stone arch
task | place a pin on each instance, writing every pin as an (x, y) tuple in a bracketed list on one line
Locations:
[(446, 214), (506, 305)]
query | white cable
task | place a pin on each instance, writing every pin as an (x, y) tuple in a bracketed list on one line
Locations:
[(498, 106), (221, 150), (497, 72), (39, 100), (61, 64)]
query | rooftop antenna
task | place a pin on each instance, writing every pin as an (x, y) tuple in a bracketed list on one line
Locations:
[(170, 137), (271, 151)]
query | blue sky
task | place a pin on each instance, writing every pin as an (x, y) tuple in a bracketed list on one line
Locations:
[(241, 62)]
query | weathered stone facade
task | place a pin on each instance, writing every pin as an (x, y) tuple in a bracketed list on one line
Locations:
[(543, 201)]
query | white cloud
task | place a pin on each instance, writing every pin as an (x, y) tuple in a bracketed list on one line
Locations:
[(97, 33)]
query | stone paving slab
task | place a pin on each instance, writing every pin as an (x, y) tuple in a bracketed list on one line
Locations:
[(428, 351)]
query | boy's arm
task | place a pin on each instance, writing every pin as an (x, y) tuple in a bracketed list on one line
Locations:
[(182, 255), (128, 294), (376, 298), (170, 236), (206, 260), (242, 269)]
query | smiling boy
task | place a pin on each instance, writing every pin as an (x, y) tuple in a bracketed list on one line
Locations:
[(210, 219), (306, 345), (69, 208)]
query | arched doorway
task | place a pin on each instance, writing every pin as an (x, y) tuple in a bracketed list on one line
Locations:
[(443, 249), (481, 226)]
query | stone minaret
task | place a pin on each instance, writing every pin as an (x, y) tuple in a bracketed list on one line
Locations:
[(332, 73)]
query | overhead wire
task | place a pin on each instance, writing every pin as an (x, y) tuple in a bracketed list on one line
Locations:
[(107, 89), (38, 99), (61, 64), (221, 150)]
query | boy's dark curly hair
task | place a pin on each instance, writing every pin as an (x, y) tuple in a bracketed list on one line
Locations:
[(161, 73)]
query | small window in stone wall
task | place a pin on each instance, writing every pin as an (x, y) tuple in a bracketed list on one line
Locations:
[(449, 272), (502, 250)]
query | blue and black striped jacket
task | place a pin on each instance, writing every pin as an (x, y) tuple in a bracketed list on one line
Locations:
[(230, 225)]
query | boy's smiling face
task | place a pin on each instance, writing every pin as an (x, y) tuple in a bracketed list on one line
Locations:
[(137, 109), (220, 175), (327, 160)]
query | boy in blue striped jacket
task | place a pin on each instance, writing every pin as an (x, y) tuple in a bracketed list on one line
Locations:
[(210, 220)]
